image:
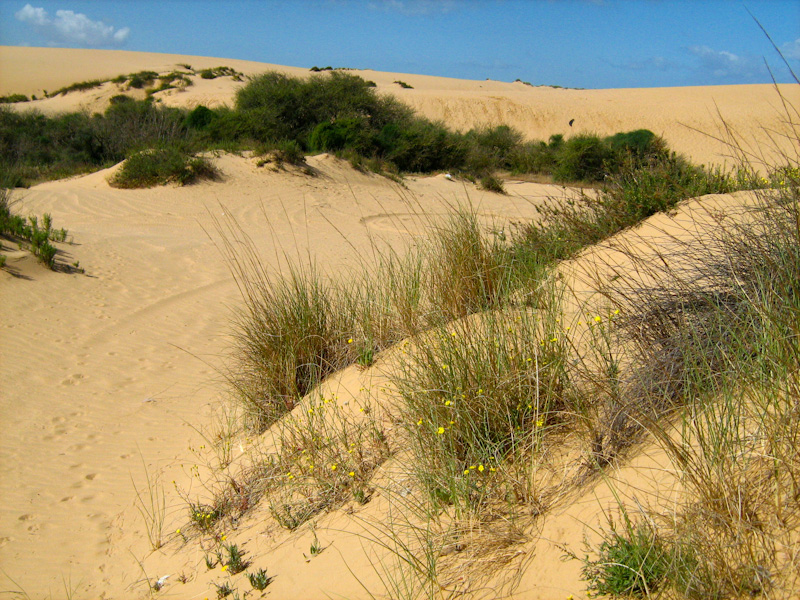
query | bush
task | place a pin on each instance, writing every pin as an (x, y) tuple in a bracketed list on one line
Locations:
[(492, 183), (582, 158), (160, 166), (490, 149), (277, 107), (632, 564), (200, 117), (77, 87), (13, 98)]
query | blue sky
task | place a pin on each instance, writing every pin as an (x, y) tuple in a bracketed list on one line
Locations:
[(573, 43)]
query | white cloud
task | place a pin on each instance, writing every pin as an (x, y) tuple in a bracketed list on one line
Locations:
[(791, 50), (727, 66), (71, 28)]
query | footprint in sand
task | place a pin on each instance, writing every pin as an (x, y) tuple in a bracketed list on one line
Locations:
[(67, 498), (91, 477), (73, 379), (27, 517)]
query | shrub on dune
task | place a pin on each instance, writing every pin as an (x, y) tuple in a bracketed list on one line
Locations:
[(160, 166)]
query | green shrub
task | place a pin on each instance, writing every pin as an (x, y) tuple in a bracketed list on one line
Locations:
[(13, 98), (276, 107), (641, 143), (490, 149), (141, 79), (421, 146), (344, 133), (81, 86), (491, 183), (160, 166), (582, 158), (635, 563), (200, 117)]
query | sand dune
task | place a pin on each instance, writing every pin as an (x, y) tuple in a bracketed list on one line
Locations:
[(690, 119), (109, 377)]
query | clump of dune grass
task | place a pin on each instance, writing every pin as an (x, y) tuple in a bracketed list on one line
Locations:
[(30, 231), (478, 396)]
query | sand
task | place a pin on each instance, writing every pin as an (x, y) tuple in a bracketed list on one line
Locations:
[(113, 376)]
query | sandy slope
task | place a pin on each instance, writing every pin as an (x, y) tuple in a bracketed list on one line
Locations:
[(110, 374), (107, 370)]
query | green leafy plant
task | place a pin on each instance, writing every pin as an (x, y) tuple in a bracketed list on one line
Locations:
[(259, 580), (235, 560)]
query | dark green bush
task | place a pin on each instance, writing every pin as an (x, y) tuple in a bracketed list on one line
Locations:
[(641, 143), (422, 146), (344, 133), (582, 158), (200, 117), (490, 149)]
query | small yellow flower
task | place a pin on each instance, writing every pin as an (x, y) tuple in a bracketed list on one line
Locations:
[(492, 469), (598, 318), (177, 530), (419, 422), (352, 473), (466, 471), (540, 421), (224, 567), (445, 367), (333, 467), (480, 468), (350, 341), (440, 431), (447, 403)]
